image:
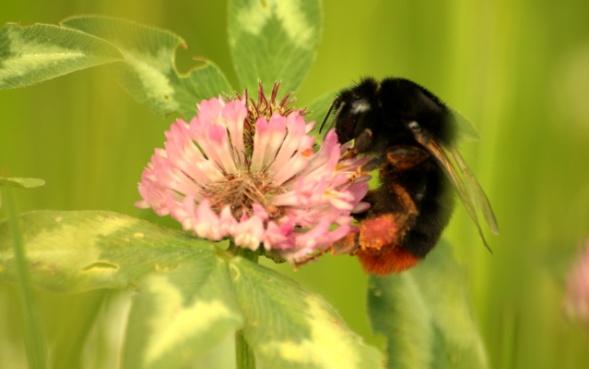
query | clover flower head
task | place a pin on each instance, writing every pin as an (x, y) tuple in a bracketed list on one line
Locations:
[(250, 171), (577, 297)]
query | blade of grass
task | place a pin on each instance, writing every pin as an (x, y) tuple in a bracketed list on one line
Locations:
[(34, 338)]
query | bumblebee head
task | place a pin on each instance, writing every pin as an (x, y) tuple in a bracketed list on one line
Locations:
[(357, 111)]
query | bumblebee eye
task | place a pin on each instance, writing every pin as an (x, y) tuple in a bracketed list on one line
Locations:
[(360, 106)]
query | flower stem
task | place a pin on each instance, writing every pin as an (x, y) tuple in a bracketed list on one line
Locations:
[(243, 252), (244, 356)]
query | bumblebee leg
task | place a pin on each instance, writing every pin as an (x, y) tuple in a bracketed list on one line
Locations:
[(379, 231), (403, 157), (405, 200), (386, 228), (373, 233), (379, 236), (376, 244)]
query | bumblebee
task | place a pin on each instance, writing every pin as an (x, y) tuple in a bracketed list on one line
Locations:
[(411, 135)]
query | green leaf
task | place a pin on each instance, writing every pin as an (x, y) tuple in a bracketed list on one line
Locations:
[(273, 40), (189, 294), (184, 303), (149, 73), (144, 58), (181, 314), (76, 251), (36, 53), (288, 327), (424, 313)]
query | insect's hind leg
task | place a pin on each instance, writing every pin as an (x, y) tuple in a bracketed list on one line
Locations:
[(385, 225)]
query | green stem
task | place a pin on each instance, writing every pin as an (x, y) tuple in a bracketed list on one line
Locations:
[(244, 355), (34, 338), (244, 253)]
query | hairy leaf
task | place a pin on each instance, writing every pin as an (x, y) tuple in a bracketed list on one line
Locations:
[(273, 40), (424, 313)]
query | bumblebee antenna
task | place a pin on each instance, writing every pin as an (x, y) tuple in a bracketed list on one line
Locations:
[(333, 105)]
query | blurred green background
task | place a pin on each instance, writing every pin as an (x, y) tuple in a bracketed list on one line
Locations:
[(519, 70)]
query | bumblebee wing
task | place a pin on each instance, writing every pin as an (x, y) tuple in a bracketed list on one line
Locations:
[(478, 195), (464, 128), (471, 195)]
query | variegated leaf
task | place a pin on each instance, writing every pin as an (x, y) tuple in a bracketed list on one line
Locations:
[(149, 73), (181, 314), (143, 55), (425, 316), (188, 293), (36, 53), (273, 40), (290, 328), (85, 250)]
